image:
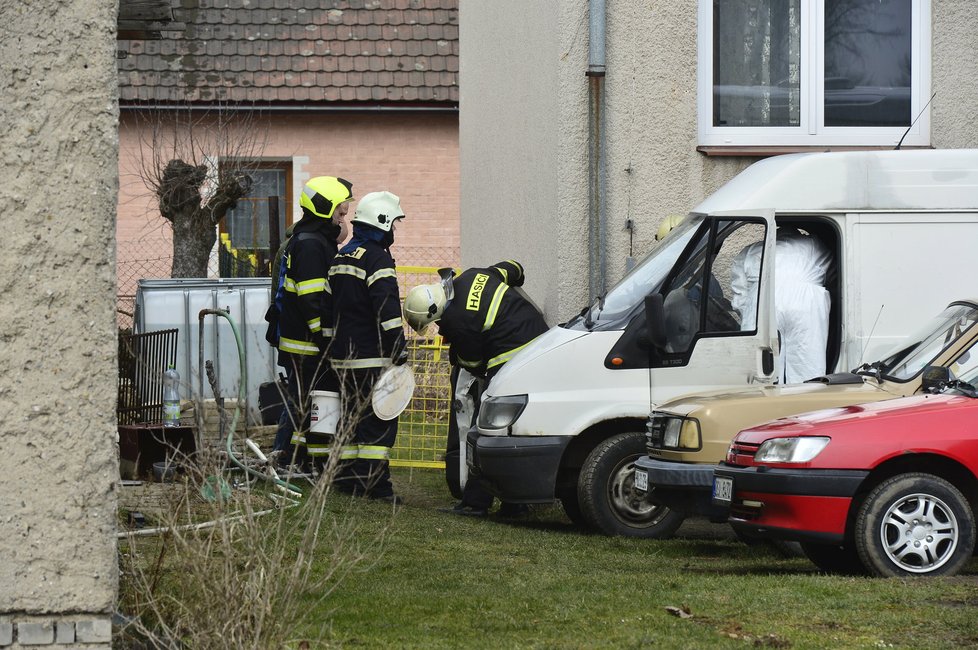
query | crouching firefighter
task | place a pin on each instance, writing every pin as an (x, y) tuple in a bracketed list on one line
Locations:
[(364, 317), (485, 321)]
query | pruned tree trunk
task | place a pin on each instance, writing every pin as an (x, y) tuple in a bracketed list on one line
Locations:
[(194, 221), (196, 163)]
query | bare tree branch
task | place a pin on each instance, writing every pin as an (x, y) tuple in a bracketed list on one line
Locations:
[(198, 163)]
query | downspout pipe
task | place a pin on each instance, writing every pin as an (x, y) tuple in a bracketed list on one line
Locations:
[(597, 209)]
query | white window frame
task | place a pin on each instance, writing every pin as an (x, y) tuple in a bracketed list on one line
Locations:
[(811, 131)]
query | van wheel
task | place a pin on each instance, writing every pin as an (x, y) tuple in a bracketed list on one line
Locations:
[(913, 525), (834, 558), (607, 496)]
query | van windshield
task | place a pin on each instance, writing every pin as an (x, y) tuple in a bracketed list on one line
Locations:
[(614, 309), (922, 348)]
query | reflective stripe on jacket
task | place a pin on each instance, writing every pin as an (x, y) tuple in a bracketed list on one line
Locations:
[(363, 309), (307, 258), (485, 323)]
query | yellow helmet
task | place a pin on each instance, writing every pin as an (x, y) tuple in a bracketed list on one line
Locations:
[(423, 305), (322, 194), (668, 224)]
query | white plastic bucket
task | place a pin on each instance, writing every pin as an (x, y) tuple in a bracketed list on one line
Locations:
[(325, 412)]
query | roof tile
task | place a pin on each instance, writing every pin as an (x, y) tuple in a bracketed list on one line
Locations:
[(365, 51)]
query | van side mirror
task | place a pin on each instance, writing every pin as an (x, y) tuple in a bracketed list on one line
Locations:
[(655, 320), (935, 378)]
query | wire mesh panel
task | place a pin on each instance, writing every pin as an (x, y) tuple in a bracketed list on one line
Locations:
[(423, 426), (234, 263), (142, 360)]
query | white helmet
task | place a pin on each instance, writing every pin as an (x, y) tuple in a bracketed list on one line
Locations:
[(379, 209), (423, 305)]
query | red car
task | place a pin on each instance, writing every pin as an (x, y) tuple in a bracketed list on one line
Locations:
[(890, 487)]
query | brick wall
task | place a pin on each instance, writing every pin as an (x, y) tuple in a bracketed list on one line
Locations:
[(414, 155)]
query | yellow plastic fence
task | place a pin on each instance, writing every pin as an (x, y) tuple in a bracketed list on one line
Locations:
[(423, 426)]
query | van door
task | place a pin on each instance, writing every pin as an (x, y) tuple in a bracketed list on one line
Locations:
[(718, 300)]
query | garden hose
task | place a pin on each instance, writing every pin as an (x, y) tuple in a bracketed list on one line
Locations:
[(288, 487)]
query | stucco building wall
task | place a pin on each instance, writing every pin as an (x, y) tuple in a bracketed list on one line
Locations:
[(524, 119), (58, 190), (511, 148), (955, 60), (414, 155)]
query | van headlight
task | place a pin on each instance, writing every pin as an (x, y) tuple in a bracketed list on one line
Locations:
[(675, 433), (501, 412), (790, 450)]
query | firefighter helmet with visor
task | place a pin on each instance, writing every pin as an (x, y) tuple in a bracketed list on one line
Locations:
[(379, 209), (321, 195), (423, 305)]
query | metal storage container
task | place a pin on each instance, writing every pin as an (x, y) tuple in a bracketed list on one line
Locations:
[(176, 303)]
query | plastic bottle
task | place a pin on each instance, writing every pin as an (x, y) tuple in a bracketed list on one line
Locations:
[(171, 397)]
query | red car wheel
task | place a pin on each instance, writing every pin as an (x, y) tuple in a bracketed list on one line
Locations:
[(915, 524)]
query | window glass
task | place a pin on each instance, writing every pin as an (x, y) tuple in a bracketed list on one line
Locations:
[(735, 271), (966, 364), (716, 287), (867, 62), (757, 58), (247, 223), (627, 295), (922, 348), (814, 72)]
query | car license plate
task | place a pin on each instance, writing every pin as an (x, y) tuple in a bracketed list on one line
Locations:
[(722, 488), (641, 480)]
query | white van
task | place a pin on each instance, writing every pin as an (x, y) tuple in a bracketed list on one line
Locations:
[(566, 418)]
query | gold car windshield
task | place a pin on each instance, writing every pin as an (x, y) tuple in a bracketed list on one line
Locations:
[(922, 349)]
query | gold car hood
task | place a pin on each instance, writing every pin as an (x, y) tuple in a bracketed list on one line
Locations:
[(722, 414), (761, 400)]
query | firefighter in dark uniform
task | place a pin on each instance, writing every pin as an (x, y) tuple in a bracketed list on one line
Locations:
[(364, 316), (295, 324), (486, 324)]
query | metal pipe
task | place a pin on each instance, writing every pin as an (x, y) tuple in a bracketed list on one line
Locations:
[(596, 24), (597, 209)]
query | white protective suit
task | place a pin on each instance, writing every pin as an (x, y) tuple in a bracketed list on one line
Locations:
[(801, 301)]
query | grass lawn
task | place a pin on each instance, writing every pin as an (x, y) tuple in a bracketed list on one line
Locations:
[(443, 581)]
